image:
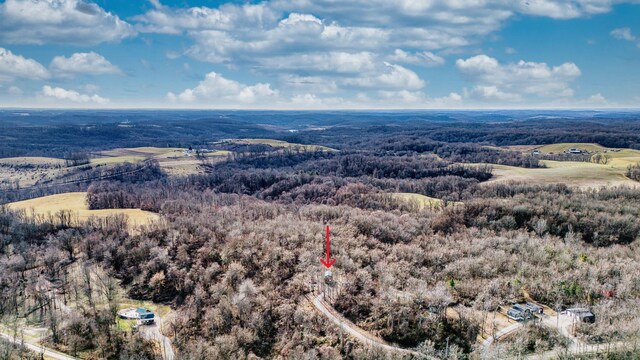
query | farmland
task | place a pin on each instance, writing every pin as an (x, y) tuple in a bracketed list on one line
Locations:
[(607, 167), (75, 203)]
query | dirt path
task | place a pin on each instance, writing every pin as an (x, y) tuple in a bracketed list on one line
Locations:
[(37, 348), (153, 332), (359, 334)]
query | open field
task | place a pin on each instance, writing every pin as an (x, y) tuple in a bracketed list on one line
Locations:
[(75, 202), (610, 171), (27, 171), (32, 160), (563, 147), (175, 161), (283, 144), (422, 201), (581, 174)]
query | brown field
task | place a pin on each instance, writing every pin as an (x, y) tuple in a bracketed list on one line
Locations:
[(581, 174), (175, 161), (608, 173), (76, 203), (283, 144), (30, 170)]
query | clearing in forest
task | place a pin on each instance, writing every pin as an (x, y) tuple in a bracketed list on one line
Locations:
[(422, 201), (76, 203), (27, 171), (283, 144), (607, 168), (581, 174), (175, 161), (564, 147)]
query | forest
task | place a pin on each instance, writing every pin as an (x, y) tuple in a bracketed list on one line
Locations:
[(236, 254)]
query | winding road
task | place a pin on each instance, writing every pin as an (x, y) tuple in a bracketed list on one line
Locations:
[(356, 332)]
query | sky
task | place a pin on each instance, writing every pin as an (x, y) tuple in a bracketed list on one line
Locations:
[(320, 54)]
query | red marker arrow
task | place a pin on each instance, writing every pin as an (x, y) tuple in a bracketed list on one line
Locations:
[(328, 261)]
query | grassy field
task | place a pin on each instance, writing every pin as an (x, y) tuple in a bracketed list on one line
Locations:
[(174, 161), (563, 147), (607, 173), (581, 174), (283, 144), (30, 170), (75, 202), (32, 160), (422, 201)]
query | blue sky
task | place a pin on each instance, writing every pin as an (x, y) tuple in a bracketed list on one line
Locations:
[(320, 54)]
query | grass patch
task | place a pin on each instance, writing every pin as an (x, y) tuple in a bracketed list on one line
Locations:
[(76, 203), (125, 325), (284, 144), (32, 160), (582, 174), (563, 147), (422, 201)]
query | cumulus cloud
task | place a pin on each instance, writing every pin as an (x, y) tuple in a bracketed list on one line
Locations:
[(514, 81), (75, 22), (329, 62), (59, 93), (83, 63), (394, 76), (283, 25), (14, 66), (215, 89)]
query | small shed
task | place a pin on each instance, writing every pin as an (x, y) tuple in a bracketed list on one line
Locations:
[(582, 314)]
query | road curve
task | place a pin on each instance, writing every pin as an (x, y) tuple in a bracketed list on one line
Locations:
[(506, 331), (152, 332), (38, 348), (330, 313)]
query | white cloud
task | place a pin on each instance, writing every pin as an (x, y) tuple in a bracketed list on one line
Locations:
[(623, 34), (83, 63), (59, 93), (424, 58), (14, 66), (218, 90), (597, 99), (516, 81), (75, 22), (393, 76), (346, 43), (330, 62)]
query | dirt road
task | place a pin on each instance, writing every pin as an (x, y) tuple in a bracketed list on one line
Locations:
[(38, 348), (359, 334), (153, 332)]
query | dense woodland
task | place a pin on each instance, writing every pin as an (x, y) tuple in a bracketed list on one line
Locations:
[(238, 247)]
